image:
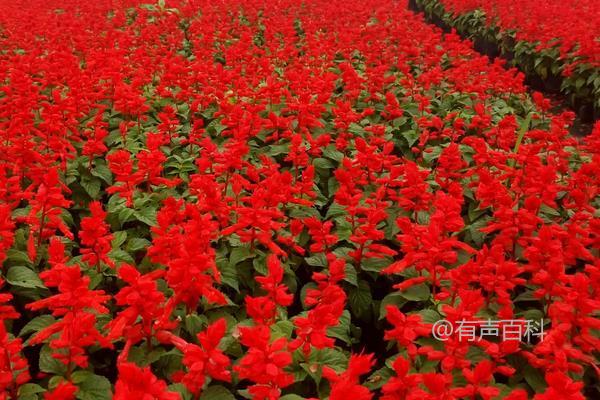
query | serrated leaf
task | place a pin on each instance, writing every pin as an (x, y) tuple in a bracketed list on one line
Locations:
[(527, 295), (395, 299), (24, 277), (169, 362), (125, 215), (350, 275), (181, 389), (305, 288), (30, 389), (332, 358), (119, 238), (228, 272), (49, 364), (216, 392), (91, 386), (15, 256), (142, 357), (101, 171), (91, 186), (37, 324), (137, 244), (534, 378), (429, 316), (342, 330), (379, 378), (119, 255), (194, 324), (374, 264), (275, 150), (432, 153), (419, 292), (323, 164), (411, 137), (335, 210), (331, 153), (239, 254), (317, 260), (360, 299), (282, 329), (147, 215)]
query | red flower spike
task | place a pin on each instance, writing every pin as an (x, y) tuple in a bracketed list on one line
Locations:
[(347, 383)]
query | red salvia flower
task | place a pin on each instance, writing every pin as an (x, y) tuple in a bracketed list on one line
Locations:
[(347, 383), (205, 360), (96, 238)]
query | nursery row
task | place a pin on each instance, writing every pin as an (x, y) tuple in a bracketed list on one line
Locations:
[(300, 200), (556, 43)]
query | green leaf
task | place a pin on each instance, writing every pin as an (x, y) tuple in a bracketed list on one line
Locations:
[(119, 255), (527, 295), (332, 153), (147, 215), (360, 299), (411, 137), (30, 389), (91, 186), (534, 315), (194, 324), (544, 209), (228, 272), (350, 275), (91, 386), (142, 357), (239, 254), (305, 288), (101, 171), (374, 264), (335, 210), (323, 163), (432, 153), (275, 150), (125, 215), (419, 292), (534, 378), (332, 358), (394, 298), (342, 330), (429, 316), (49, 364), (24, 277), (119, 238), (282, 329), (181, 389), (137, 244), (217, 392), (169, 362), (521, 134), (317, 260), (37, 324), (17, 257), (379, 378)]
